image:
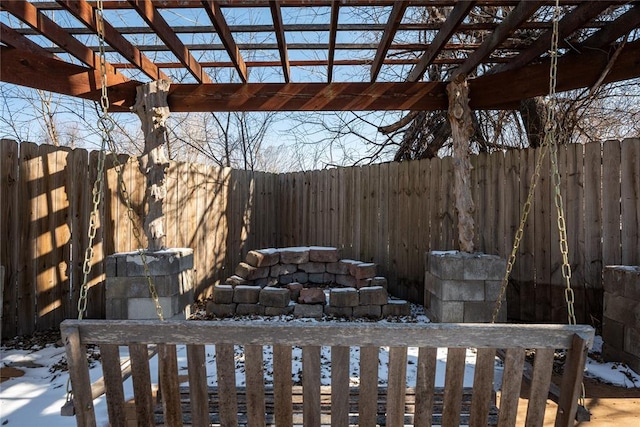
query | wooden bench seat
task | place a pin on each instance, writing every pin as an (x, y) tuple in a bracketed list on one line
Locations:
[(282, 403)]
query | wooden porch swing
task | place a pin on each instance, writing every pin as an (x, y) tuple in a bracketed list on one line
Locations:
[(176, 400)]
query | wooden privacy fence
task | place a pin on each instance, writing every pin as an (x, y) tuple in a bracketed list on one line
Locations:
[(388, 213)]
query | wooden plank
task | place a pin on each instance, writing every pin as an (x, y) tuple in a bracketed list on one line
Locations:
[(542, 370), (334, 207), (95, 280), (311, 385), (79, 374), (415, 267), (575, 214), (29, 174), (46, 299), (276, 15), (630, 196), (373, 210), (544, 212), (397, 386), (357, 213), (592, 253), (501, 196), (511, 382), (255, 385), (141, 383), (367, 410), (394, 224), (61, 232), (425, 208), (454, 377), (611, 194), (393, 22), (365, 214), (340, 386), (381, 254), (10, 214), (283, 411), (571, 385), (79, 191), (170, 384), (482, 387), (482, 205), (404, 219), (198, 396), (448, 238), (425, 385), (226, 369), (291, 333), (114, 391)]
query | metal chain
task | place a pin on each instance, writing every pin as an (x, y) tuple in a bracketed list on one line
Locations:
[(106, 126), (519, 233)]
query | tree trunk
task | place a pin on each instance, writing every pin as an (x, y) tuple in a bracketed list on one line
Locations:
[(152, 108), (461, 130)]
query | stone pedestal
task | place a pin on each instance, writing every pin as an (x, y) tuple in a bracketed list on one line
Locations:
[(621, 317), (127, 289), (461, 287)]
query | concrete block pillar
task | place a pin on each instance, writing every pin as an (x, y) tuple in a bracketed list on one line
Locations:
[(463, 287), (127, 289), (621, 317)]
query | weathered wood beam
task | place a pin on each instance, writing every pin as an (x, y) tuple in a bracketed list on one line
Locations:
[(575, 70), (276, 15), (40, 72), (460, 10), (220, 24), (12, 38), (520, 14), (495, 91), (308, 97), (30, 15), (333, 33), (84, 12), (152, 17), (566, 26), (618, 28), (395, 17)]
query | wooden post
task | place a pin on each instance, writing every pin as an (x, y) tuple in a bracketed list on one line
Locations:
[(152, 108), (461, 130)]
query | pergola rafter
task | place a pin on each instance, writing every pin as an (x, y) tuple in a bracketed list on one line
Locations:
[(495, 55)]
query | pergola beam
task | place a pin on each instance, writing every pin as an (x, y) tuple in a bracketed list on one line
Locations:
[(12, 38), (152, 17), (276, 15), (333, 34), (220, 24), (520, 14), (390, 30), (566, 26), (460, 10), (31, 16), (84, 12), (496, 91), (618, 28)]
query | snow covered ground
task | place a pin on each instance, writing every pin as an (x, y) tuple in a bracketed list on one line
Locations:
[(35, 398)]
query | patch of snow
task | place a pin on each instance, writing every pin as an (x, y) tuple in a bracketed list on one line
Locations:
[(294, 249)]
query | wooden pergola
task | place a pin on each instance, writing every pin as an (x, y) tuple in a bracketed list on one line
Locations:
[(44, 46)]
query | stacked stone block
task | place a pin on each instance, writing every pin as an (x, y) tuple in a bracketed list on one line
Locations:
[(462, 287), (295, 281), (127, 288), (621, 318)]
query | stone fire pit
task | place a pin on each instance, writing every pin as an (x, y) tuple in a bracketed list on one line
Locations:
[(305, 282)]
